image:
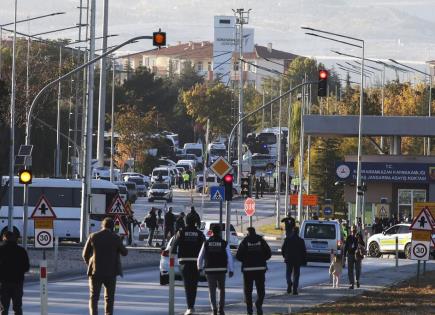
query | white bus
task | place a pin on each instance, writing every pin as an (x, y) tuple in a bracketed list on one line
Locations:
[(64, 195)]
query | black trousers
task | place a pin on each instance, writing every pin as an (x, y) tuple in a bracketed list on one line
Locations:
[(296, 271), (249, 277), (12, 291), (190, 274)]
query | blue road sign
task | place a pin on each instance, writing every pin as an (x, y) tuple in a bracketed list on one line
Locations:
[(217, 193), (327, 210)]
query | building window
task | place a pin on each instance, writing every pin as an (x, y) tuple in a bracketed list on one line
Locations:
[(199, 66), (406, 199), (236, 66)]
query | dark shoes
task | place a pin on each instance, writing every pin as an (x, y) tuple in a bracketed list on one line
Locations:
[(295, 292), (357, 284), (351, 287), (259, 309), (289, 289)]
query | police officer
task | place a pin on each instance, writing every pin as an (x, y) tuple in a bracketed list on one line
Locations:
[(253, 252), (215, 256), (189, 242)]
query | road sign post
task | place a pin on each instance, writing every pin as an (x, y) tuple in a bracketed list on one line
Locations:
[(250, 209)]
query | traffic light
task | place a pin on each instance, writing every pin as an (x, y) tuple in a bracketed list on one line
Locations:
[(25, 177), (323, 83), (245, 186), (228, 185), (159, 39)]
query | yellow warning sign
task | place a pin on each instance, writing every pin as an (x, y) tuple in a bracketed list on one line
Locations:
[(382, 210), (43, 223)]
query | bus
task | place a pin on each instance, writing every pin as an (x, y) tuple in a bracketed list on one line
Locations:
[(64, 195)]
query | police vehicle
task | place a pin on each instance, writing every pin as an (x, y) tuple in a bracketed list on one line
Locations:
[(385, 242)]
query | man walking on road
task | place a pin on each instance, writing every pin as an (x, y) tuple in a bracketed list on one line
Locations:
[(195, 216), (353, 241), (189, 242), (102, 255), (215, 256), (253, 252), (169, 225), (151, 224), (295, 255), (179, 223), (14, 263)]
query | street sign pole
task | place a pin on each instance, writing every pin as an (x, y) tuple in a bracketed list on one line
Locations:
[(220, 213), (227, 220), (250, 221)]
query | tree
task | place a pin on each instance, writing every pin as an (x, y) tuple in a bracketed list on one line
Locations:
[(214, 103)]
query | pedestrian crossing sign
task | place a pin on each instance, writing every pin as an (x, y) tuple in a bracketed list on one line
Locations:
[(217, 193), (117, 206), (423, 222)]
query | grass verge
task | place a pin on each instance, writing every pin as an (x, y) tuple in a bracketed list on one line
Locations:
[(404, 298), (269, 229)]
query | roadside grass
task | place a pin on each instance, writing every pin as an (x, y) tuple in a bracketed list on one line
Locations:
[(404, 298), (269, 229)]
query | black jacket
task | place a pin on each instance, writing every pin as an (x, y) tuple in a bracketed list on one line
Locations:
[(253, 252), (14, 262), (179, 223), (169, 220), (151, 220), (351, 245), (188, 243), (293, 250), (196, 218)]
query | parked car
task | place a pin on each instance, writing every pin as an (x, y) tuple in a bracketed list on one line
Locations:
[(195, 148), (146, 179), (206, 227), (161, 174), (164, 265), (160, 191), (166, 162), (266, 161), (141, 187), (185, 156), (385, 242), (131, 190), (321, 237), (211, 179), (192, 163)]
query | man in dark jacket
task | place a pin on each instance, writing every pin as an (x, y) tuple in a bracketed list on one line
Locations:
[(151, 224), (169, 224), (295, 255), (179, 223), (290, 224), (14, 263), (188, 243), (253, 252), (216, 259), (102, 255), (350, 248), (195, 216)]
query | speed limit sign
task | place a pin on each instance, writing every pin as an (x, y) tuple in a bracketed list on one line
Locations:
[(420, 250), (44, 238)]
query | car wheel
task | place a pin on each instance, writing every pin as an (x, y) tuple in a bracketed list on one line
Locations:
[(408, 251), (374, 250), (164, 279)]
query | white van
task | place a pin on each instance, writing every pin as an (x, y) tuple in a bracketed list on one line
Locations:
[(195, 148), (161, 174), (211, 179), (214, 151), (321, 237)]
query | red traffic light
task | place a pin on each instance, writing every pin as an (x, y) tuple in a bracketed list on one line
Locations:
[(159, 39), (228, 178), (323, 74)]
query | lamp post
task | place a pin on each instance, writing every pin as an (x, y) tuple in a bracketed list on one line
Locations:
[(358, 198), (430, 94)]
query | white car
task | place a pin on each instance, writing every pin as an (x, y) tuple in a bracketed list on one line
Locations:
[(206, 229), (385, 242), (160, 191), (161, 174), (164, 265)]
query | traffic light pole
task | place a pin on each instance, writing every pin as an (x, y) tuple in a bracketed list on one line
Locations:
[(227, 220)]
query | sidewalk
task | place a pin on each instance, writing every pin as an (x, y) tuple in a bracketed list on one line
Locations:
[(322, 293)]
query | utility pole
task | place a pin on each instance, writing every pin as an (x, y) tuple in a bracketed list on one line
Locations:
[(278, 165), (59, 94), (287, 167), (103, 79), (242, 17), (112, 122), (86, 182), (301, 157)]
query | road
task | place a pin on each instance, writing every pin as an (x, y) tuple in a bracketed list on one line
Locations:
[(139, 292)]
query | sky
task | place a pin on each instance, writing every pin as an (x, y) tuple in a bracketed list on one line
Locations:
[(400, 29)]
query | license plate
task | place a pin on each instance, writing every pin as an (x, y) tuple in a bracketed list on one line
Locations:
[(319, 245)]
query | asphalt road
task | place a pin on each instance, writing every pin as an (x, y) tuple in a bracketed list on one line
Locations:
[(139, 292)]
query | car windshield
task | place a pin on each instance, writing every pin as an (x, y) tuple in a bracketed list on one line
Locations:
[(218, 152), (320, 231), (159, 186), (160, 173), (197, 152), (214, 224), (267, 138)]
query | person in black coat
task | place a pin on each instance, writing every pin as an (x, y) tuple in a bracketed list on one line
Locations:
[(195, 216), (14, 263), (151, 224), (179, 223), (169, 225), (295, 255)]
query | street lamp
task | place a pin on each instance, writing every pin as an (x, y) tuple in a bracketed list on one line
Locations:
[(361, 45), (430, 94)]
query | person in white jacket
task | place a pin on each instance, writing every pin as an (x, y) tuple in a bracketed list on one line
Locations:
[(216, 260)]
